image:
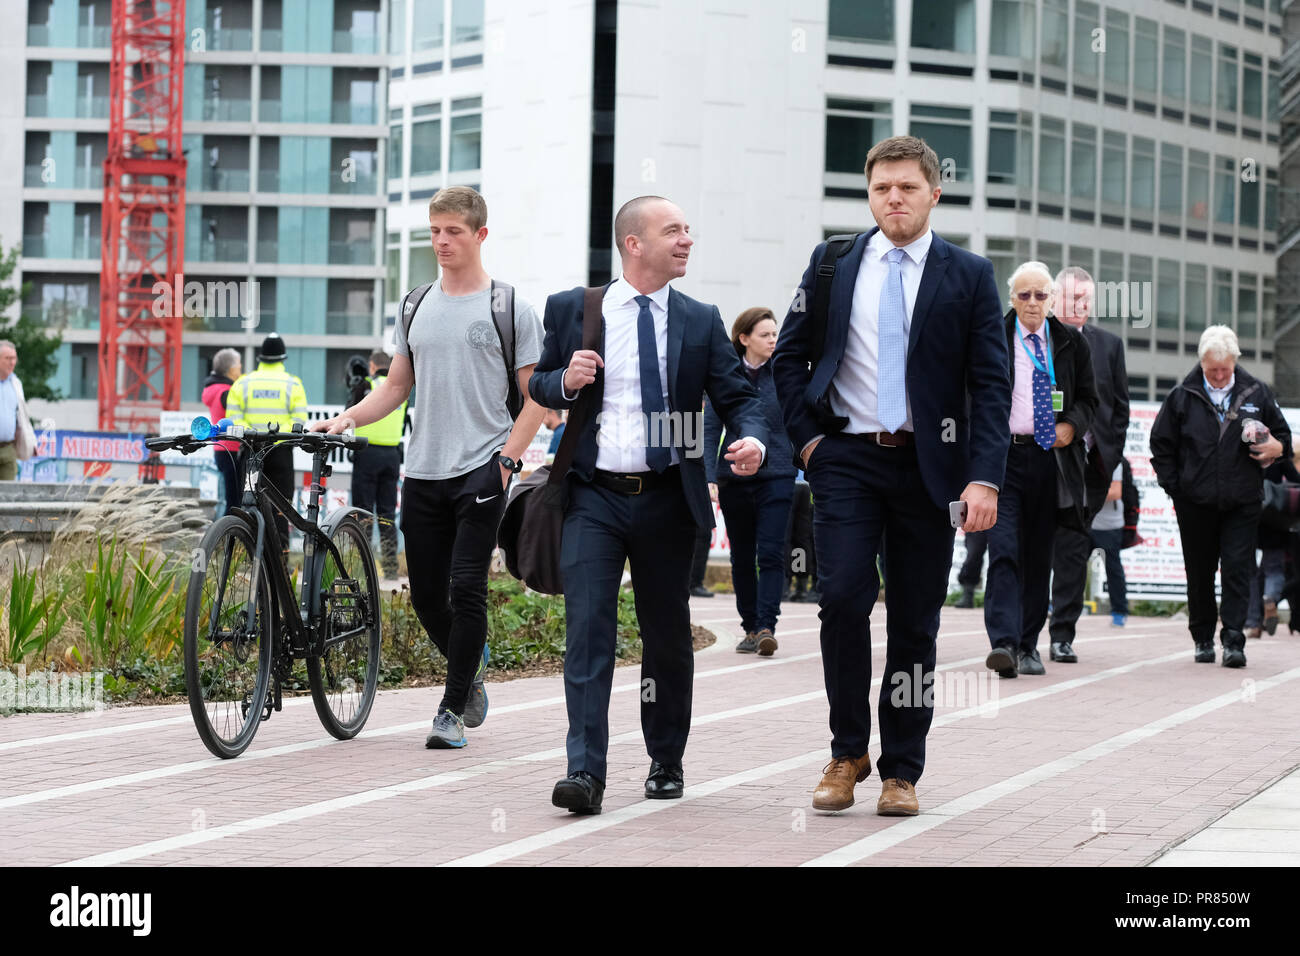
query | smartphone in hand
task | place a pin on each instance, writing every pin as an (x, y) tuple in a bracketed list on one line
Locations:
[(957, 513)]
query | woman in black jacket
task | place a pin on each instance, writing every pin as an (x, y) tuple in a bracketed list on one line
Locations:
[(756, 508), (1215, 476)]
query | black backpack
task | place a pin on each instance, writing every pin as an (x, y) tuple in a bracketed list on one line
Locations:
[(503, 318), (837, 247)]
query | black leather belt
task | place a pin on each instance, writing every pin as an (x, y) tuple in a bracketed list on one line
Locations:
[(636, 482), (1024, 440), (898, 439)]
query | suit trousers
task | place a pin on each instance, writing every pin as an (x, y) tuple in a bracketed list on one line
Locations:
[(977, 542), (864, 491), (655, 533), (1070, 554), (756, 513), (1217, 538), (1020, 550), (375, 473)]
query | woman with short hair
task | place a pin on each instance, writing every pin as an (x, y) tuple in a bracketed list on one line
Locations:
[(226, 368), (1213, 470)]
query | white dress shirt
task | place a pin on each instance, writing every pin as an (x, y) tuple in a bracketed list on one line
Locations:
[(853, 392), (1219, 395)]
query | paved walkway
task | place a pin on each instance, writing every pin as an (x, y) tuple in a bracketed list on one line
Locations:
[(1114, 760)]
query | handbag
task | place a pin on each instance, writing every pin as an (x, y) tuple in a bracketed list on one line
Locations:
[(532, 528)]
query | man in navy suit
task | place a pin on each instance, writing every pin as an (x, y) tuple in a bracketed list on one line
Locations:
[(903, 411), (637, 490)]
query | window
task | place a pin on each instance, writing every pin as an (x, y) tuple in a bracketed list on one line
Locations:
[(1226, 100), (1247, 309), (1174, 86), (426, 30), (1225, 185), (393, 267), (1002, 253), (1086, 21), (1198, 187), (1056, 27), (1143, 185), (423, 264), (1110, 273), (1252, 86), (426, 139), (1270, 201), (1171, 181), (944, 25), (1081, 257), (466, 134), (395, 151), (1010, 152), (466, 22), (947, 130), (1273, 68), (1050, 253), (1195, 298), (852, 128), (1114, 168), (1116, 49), (1140, 277), (1011, 31), (1051, 156), (1268, 311), (1146, 50), (85, 371), (1249, 214), (397, 26), (1201, 86), (1167, 289), (1223, 314), (1083, 163), (871, 20)]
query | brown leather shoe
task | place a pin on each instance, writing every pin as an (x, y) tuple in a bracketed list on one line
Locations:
[(835, 792), (897, 799), (1253, 632)]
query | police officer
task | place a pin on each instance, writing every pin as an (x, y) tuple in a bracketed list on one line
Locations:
[(271, 396), (376, 467)]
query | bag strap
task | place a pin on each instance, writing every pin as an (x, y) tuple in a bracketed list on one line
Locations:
[(503, 317), (589, 396), (410, 305), (837, 247)]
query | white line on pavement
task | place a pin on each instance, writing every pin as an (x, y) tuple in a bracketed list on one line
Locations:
[(978, 799)]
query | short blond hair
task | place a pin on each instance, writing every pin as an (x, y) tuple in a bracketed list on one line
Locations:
[(460, 201), (1218, 341)]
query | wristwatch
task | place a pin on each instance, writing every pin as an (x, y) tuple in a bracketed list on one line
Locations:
[(514, 465)]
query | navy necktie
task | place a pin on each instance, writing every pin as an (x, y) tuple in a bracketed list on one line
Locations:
[(652, 395), (1044, 417)]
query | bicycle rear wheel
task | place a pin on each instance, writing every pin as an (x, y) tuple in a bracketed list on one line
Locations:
[(343, 678), (227, 654)]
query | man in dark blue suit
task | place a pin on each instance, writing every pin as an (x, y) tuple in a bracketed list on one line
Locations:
[(637, 489), (903, 411)]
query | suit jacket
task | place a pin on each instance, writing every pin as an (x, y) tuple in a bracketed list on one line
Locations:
[(956, 366), (1110, 424), (1072, 362), (701, 359)]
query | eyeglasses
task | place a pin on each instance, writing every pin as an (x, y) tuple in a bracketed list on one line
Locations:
[(1026, 296)]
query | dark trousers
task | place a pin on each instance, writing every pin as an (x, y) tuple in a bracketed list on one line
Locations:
[(800, 543), (1266, 584), (449, 542), (653, 531), (375, 472), (863, 491), (977, 543), (700, 556), (1223, 539), (1070, 554), (756, 513), (1020, 550), (232, 476), (277, 468), (1110, 542)]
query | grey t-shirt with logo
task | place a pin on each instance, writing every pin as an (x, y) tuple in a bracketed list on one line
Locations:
[(460, 414)]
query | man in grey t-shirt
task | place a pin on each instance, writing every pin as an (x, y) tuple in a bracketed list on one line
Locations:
[(462, 451)]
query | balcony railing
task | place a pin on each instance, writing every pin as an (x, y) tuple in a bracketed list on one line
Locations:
[(268, 250), (268, 111), (222, 250), (345, 41), (34, 246), (92, 107), (82, 178), (94, 36), (222, 180), (38, 104), (227, 110), (234, 38), (86, 247), (273, 40), (353, 113), (366, 184), (61, 316), (268, 180), (349, 323), (38, 34), (354, 252)]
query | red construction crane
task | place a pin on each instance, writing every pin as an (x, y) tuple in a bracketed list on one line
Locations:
[(143, 217)]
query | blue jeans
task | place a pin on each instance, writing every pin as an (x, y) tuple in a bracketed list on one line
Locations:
[(1267, 583), (756, 513), (1116, 586)]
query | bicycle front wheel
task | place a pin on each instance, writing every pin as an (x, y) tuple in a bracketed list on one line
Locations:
[(227, 651), (344, 677)]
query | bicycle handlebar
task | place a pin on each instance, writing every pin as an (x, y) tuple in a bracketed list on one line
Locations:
[(187, 444)]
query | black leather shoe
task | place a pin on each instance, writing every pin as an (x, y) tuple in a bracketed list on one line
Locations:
[(579, 792), (967, 598), (1001, 659), (1030, 663), (665, 781), (700, 591), (1204, 652), (1063, 651)]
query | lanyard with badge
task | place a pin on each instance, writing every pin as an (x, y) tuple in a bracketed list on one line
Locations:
[(1058, 397)]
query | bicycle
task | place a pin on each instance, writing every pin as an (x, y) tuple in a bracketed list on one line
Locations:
[(244, 624)]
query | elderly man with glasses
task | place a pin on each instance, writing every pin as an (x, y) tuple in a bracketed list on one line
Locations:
[(1053, 400)]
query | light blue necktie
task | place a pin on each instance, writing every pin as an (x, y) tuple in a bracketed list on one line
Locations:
[(891, 392)]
